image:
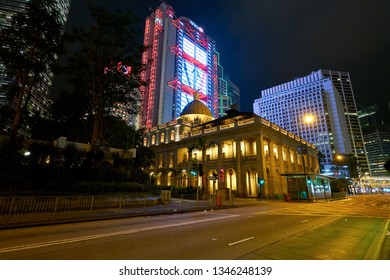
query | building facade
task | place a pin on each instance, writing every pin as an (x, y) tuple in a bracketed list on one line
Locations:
[(343, 84), (39, 101), (234, 93), (334, 130), (376, 135), (7, 10), (183, 60), (234, 152), (225, 100)]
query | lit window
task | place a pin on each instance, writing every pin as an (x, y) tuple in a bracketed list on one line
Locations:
[(266, 149), (162, 137), (276, 155)]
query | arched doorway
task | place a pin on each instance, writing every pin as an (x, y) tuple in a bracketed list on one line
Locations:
[(152, 178), (250, 182), (171, 178), (158, 179), (231, 179), (212, 181), (183, 179)]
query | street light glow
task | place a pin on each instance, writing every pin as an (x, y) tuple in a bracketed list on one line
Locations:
[(309, 118)]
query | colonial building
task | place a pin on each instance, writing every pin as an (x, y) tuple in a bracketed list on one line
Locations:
[(235, 153)]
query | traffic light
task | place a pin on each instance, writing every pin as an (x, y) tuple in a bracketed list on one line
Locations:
[(221, 172), (260, 181), (194, 170), (200, 168)]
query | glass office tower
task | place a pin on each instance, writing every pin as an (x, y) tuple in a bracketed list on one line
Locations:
[(39, 101), (329, 97), (181, 59)]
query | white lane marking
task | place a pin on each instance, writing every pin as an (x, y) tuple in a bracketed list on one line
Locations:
[(104, 235), (240, 241), (304, 221)]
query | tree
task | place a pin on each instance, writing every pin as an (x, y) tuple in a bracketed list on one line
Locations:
[(29, 48), (203, 145), (387, 165), (348, 160), (72, 111), (106, 49)]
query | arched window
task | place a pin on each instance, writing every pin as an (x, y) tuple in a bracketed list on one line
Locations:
[(292, 156), (162, 137), (276, 155), (266, 149)]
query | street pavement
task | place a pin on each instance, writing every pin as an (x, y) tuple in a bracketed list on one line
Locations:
[(354, 228)]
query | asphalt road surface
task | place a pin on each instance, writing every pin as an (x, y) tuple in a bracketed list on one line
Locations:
[(353, 229)]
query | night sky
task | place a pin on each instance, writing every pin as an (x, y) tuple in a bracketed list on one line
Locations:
[(264, 43)]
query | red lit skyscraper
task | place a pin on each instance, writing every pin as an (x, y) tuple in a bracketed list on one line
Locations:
[(181, 59)]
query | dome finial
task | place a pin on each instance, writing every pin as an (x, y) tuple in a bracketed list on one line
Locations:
[(196, 95)]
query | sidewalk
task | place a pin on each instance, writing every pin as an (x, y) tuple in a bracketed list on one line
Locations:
[(175, 205)]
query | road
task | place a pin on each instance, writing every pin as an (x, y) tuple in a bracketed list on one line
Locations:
[(353, 229)]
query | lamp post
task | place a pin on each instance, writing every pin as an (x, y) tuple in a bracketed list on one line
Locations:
[(231, 185), (306, 119)]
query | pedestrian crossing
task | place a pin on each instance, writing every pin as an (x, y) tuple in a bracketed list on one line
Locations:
[(339, 209)]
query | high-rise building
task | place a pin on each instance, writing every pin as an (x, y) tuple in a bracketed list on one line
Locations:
[(7, 10), (183, 60), (233, 93), (343, 84), (225, 101), (368, 116), (329, 97), (39, 101), (376, 135)]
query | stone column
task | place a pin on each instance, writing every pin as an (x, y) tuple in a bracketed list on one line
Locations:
[(240, 180), (260, 161)]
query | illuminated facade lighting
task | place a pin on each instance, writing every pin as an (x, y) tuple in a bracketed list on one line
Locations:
[(329, 96), (376, 140), (182, 61)]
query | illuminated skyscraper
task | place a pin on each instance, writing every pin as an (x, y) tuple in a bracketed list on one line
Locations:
[(182, 60), (342, 83), (376, 135), (329, 96), (233, 92), (225, 101), (39, 100), (7, 10)]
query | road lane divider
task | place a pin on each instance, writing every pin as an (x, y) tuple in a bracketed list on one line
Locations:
[(240, 241), (109, 234)]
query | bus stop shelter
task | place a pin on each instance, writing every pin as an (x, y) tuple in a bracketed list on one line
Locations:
[(308, 187)]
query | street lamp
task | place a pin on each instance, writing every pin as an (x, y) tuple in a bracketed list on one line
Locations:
[(342, 166), (231, 186), (306, 119)]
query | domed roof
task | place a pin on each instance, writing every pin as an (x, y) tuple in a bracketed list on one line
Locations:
[(196, 107)]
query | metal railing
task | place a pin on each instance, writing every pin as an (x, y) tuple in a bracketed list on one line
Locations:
[(45, 209)]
